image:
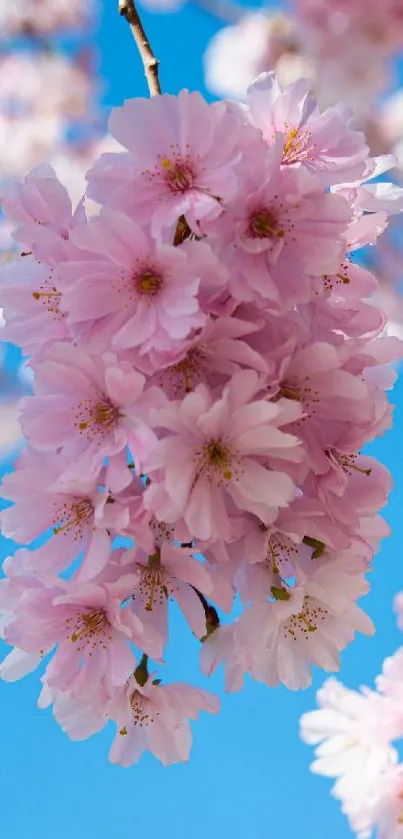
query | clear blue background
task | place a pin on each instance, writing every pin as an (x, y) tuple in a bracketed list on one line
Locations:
[(248, 776)]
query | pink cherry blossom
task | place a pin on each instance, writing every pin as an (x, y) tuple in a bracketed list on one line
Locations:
[(79, 515), (89, 627), (149, 288), (346, 727), (186, 169), (156, 717), (85, 405), (216, 448), (280, 228), (172, 573), (218, 350), (308, 624), (42, 209), (30, 295), (323, 142)]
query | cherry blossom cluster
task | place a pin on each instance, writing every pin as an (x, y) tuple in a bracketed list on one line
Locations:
[(208, 364), (354, 732)]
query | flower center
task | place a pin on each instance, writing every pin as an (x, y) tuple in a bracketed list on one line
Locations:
[(297, 146), (75, 515), (289, 391), (331, 280), (300, 391), (50, 298), (162, 532), (302, 625), (96, 419), (153, 588), (346, 462), (178, 174), (215, 461), (184, 372), (148, 282), (264, 225), (280, 550), (142, 713), (90, 628)]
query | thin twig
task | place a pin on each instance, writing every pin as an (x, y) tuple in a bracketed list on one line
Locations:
[(128, 10)]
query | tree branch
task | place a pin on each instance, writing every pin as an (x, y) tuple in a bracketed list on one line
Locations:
[(128, 10)]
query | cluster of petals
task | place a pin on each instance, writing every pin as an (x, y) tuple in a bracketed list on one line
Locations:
[(207, 368), (354, 733)]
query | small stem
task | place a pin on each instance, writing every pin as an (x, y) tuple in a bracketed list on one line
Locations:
[(141, 671), (211, 614), (128, 10)]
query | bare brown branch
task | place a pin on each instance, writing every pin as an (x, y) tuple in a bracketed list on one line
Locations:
[(128, 10)]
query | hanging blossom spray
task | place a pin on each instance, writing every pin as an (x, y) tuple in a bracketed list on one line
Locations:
[(208, 365)]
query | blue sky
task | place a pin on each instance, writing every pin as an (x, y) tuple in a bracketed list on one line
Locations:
[(248, 776)]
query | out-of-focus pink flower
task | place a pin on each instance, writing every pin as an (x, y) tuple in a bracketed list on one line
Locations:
[(42, 16), (258, 42)]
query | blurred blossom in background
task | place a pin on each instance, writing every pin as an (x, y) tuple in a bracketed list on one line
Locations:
[(49, 113)]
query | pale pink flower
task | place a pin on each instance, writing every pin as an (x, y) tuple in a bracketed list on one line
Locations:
[(383, 28), (181, 162), (315, 377), (353, 730), (214, 353), (259, 41), (88, 406), (216, 448), (149, 288), (42, 208), (221, 645), (78, 716), (308, 624), (172, 573), (30, 296), (280, 228), (26, 141), (18, 664), (44, 83), (155, 718), (324, 143), (354, 486), (89, 627), (386, 812), (79, 515), (390, 682)]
